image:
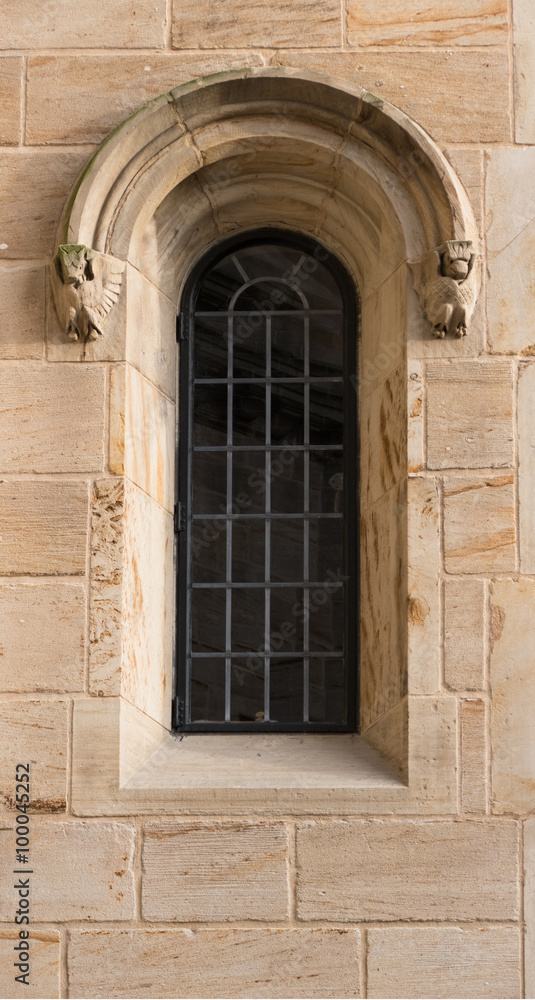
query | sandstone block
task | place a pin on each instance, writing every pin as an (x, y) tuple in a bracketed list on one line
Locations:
[(43, 527), (524, 67), (22, 329), (407, 870), (196, 25), (51, 418), (474, 107), (151, 343), (81, 871), (464, 634), (402, 23), (44, 960), (107, 527), (513, 692), (215, 872), (415, 430), (433, 752), (473, 755), (479, 525), (383, 422), (443, 962), (83, 97), (423, 608), (262, 964), (510, 202), (529, 906), (34, 733), (34, 26), (34, 185), (42, 630), (526, 467), (469, 167), (469, 414), (10, 93)]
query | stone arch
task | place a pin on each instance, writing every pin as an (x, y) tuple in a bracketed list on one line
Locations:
[(240, 151)]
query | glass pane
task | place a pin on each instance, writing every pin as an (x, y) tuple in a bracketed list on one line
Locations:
[(286, 550), (326, 346), (287, 346), (219, 286), (210, 415), (326, 690), (248, 618), (287, 481), (249, 349), (266, 258), (326, 482), (210, 357), (286, 690), (248, 551), (248, 482), (208, 620), (316, 282), (208, 689), (268, 294), (326, 548), (327, 413), (287, 414), (247, 689), (287, 615), (326, 617), (249, 417), (208, 551), (209, 482)]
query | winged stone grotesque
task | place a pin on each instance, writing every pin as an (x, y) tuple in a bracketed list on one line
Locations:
[(447, 284), (85, 286)]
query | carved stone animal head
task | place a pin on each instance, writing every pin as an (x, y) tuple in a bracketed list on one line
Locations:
[(456, 260), (73, 264)]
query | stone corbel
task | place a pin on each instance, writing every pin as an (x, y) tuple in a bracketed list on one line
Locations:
[(85, 287), (446, 282)]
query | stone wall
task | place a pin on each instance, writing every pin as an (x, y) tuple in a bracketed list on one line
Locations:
[(411, 888)]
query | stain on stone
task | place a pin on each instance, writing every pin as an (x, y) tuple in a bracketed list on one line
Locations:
[(497, 622), (417, 610)]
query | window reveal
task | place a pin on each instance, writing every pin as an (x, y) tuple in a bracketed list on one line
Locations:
[(267, 467)]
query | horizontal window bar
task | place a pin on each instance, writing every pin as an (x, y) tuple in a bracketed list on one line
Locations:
[(291, 655), (283, 446), (298, 380), (262, 585), (265, 517), (270, 312)]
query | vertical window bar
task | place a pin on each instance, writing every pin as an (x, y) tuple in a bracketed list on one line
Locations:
[(267, 571), (306, 522), (228, 552)]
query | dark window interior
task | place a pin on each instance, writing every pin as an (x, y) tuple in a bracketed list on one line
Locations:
[(267, 614)]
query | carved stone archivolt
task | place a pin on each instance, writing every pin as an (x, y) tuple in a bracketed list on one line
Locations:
[(85, 286), (446, 282)]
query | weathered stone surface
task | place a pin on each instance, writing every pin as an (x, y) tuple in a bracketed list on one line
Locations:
[(141, 25), (524, 69), (34, 733), (415, 430), (423, 611), (384, 332), (107, 527), (479, 525), (43, 527), (82, 97), (51, 418), (383, 422), (513, 693), (34, 185), (469, 414), (22, 327), (10, 93), (473, 756), (148, 606), (264, 963), (81, 871), (197, 25), (42, 629), (214, 871), (450, 23), (433, 752), (407, 870), (474, 107), (444, 962), (44, 963), (151, 342), (526, 467), (510, 204), (389, 736), (464, 634), (529, 906), (469, 167)]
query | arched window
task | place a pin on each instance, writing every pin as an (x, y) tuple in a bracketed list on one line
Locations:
[(267, 468)]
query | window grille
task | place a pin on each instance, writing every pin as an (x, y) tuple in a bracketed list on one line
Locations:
[(267, 469)]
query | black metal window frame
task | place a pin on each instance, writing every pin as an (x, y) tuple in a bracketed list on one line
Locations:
[(185, 333)]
